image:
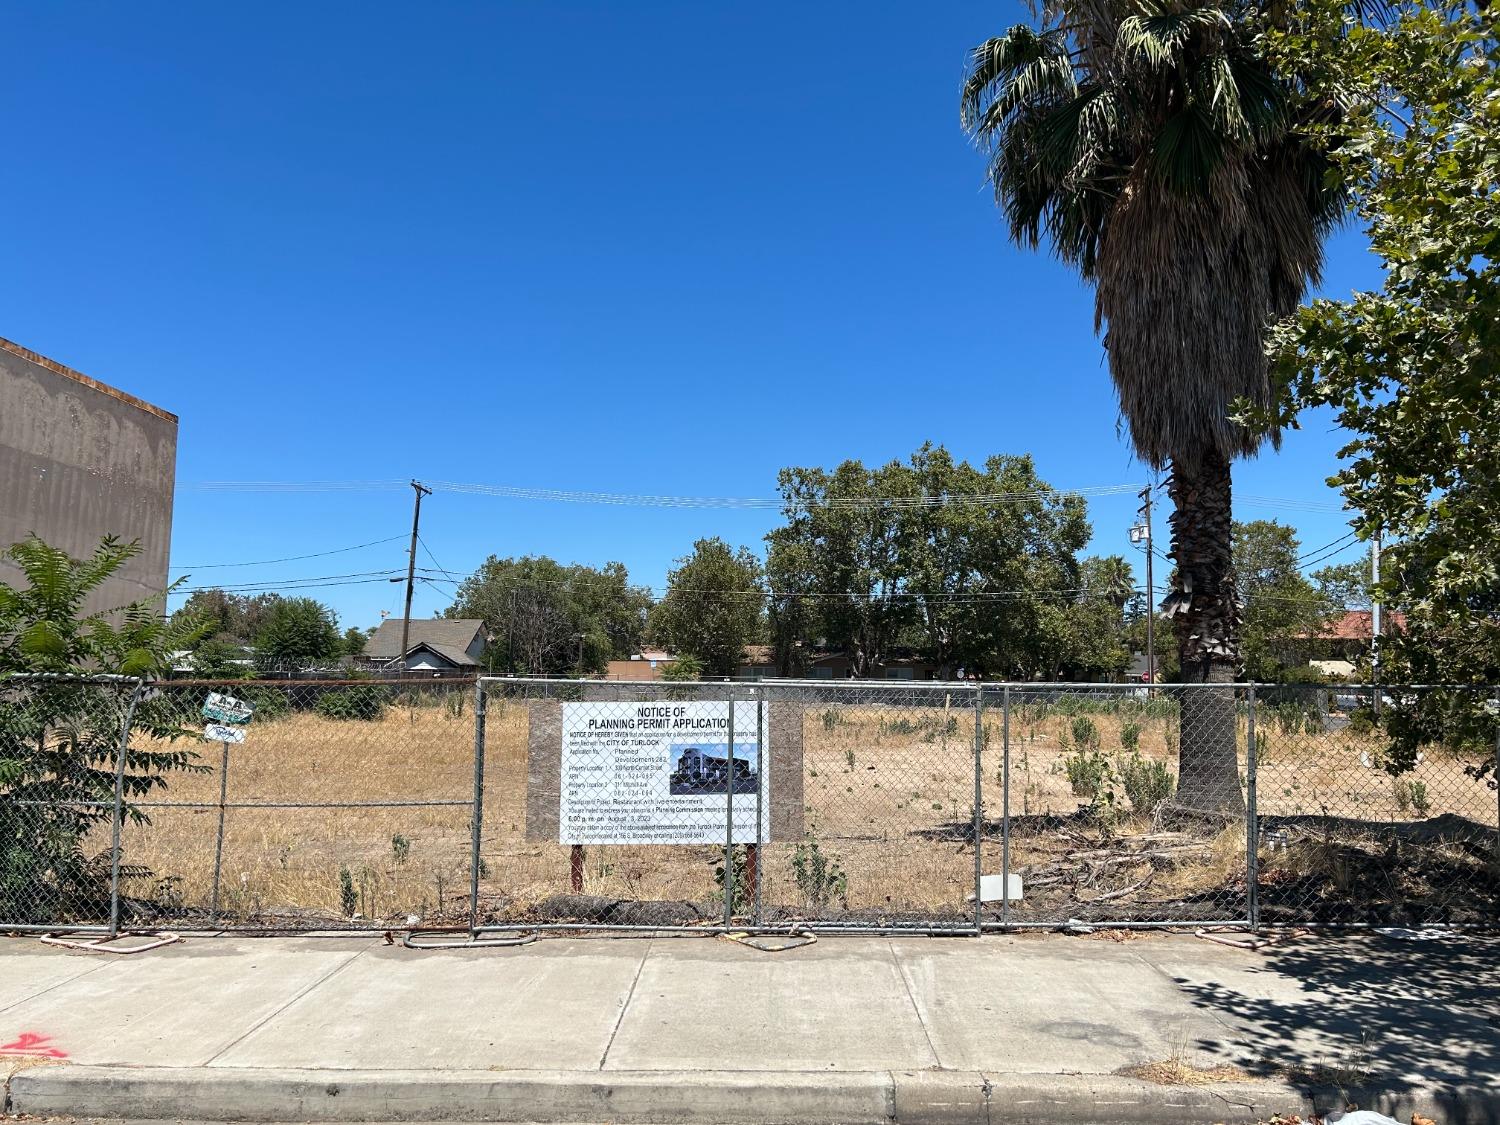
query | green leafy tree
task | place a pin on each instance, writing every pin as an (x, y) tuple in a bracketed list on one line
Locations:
[(1281, 606), (232, 617), (1165, 158), (683, 669), (297, 632), (219, 658), (60, 739), (971, 567), (355, 640), (1345, 585), (713, 606), (535, 611), (1411, 370)]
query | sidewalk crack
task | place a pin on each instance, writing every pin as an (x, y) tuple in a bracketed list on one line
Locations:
[(253, 1028), (629, 996)]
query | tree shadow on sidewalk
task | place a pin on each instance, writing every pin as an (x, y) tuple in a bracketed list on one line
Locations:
[(1372, 1013)]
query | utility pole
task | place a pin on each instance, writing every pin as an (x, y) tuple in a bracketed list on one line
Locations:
[(411, 569), (1141, 532), (1375, 614)]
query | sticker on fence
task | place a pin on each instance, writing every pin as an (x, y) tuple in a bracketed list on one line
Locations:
[(660, 773)]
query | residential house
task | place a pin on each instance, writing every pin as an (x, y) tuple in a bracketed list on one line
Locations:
[(439, 646), (1341, 645)]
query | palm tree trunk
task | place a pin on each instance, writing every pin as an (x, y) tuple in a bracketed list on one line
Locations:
[(1205, 610)]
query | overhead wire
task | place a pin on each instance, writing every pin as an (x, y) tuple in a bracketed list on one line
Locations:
[(290, 558)]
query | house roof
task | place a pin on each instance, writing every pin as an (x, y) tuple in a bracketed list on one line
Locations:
[(449, 637), (1355, 626), (450, 653)]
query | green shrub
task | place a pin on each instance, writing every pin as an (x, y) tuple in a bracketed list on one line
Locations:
[(1147, 783), (400, 849), (743, 900), (362, 701), (1130, 736), (820, 877), (1419, 797), (1085, 734), (348, 897), (1289, 717), (269, 702), (1086, 773)]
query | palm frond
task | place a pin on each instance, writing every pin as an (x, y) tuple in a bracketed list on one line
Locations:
[(1159, 38)]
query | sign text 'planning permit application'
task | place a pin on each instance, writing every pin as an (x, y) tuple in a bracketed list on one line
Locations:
[(662, 773)]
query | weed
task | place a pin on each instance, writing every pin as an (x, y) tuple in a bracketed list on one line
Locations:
[(1086, 773), (1085, 733), (348, 897), (1147, 783), (849, 758), (400, 849), (1130, 736), (740, 859), (819, 876), (833, 718), (1419, 798)]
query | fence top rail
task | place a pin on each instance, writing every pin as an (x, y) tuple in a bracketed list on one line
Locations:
[(852, 684), (964, 685), (69, 678)]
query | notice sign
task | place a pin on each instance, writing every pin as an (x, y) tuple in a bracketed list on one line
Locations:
[(661, 773)]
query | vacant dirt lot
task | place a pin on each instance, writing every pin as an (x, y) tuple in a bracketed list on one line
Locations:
[(889, 794)]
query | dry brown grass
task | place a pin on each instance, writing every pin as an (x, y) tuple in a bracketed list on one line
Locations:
[(889, 793), (1176, 1072)]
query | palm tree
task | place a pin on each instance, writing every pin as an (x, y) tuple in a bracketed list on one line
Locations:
[(1161, 155)]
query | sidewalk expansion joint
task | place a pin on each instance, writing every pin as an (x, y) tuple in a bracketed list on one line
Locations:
[(625, 1007), (260, 1023), (912, 999)]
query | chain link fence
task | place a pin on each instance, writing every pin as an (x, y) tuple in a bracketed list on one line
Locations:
[(524, 804)]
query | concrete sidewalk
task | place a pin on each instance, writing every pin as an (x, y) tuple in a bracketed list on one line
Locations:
[(1005, 1028)]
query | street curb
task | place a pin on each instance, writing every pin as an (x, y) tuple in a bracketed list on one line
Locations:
[(929, 1097)]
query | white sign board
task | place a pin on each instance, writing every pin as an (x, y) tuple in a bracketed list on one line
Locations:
[(661, 773), (222, 732)]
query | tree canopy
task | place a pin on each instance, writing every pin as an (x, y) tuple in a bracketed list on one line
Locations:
[(713, 607), (537, 610), (972, 568), (1412, 370), (297, 633), (1281, 605)]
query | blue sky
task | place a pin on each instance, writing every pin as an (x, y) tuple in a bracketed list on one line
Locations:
[(640, 248)]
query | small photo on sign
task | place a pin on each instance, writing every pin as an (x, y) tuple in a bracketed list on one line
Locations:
[(704, 770)]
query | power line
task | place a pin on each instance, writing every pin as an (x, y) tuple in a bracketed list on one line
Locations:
[(279, 588), (568, 496), (290, 558), (1326, 555), (440, 566)]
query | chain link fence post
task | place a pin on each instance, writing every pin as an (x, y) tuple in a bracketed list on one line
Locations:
[(1496, 777), (213, 909), (476, 826), (1252, 819), (1005, 808), (762, 776), (117, 811), (729, 888), (978, 807)]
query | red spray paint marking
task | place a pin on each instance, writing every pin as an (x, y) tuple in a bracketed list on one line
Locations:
[(32, 1045)]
